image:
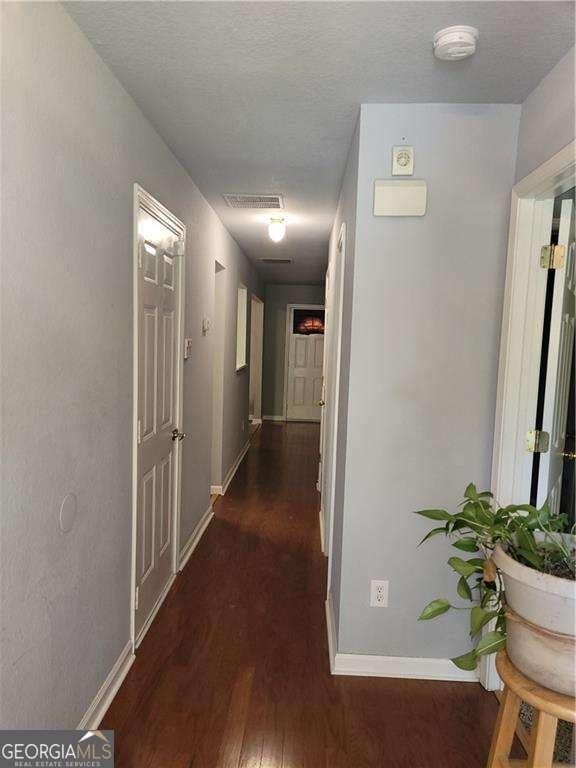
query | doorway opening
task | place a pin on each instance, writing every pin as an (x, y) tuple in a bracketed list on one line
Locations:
[(159, 239), (533, 405), (304, 362), (218, 342), (256, 349)]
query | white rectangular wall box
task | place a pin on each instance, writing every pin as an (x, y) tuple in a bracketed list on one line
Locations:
[(400, 197)]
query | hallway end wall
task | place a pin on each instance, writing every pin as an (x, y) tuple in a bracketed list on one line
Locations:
[(427, 301), (73, 144), (277, 296)]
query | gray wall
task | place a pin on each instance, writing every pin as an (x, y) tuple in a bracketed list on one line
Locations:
[(73, 143), (426, 316), (276, 299), (547, 121)]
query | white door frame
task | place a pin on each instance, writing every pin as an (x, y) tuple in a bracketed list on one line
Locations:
[(257, 416), (289, 310), (521, 339), (144, 200), (336, 344)]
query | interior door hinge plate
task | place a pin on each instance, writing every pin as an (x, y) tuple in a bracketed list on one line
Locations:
[(136, 598), (537, 441), (552, 256)]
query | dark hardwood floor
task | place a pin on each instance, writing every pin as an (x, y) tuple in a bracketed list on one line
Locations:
[(234, 671)]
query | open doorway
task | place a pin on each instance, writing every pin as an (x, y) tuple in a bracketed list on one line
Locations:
[(304, 362), (256, 347), (218, 339)]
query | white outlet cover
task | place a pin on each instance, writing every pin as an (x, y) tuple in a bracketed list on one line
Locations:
[(379, 593)]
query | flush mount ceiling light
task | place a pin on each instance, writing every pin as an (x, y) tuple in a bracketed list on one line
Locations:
[(276, 230), (455, 43)]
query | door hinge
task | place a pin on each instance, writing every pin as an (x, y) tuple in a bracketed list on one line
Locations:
[(139, 432), (537, 441), (178, 248), (136, 598), (552, 256)]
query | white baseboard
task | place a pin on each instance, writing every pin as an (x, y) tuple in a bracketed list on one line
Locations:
[(322, 532), (195, 537), (256, 422), (331, 632), (273, 418), (108, 690), (232, 471), (148, 623), (364, 665), (216, 489), (368, 665)]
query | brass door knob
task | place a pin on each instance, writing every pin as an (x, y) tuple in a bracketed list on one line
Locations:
[(321, 402), (176, 435), (568, 455)]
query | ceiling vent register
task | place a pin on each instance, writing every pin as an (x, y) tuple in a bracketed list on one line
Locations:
[(259, 202)]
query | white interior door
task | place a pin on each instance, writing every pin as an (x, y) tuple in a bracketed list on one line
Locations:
[(559, 363), (158, 405), (305, 369)]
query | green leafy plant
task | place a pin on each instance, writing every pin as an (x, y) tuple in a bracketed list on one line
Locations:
[(533, 537)]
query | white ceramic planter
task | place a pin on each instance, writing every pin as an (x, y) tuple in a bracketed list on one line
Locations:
[(541, 626)]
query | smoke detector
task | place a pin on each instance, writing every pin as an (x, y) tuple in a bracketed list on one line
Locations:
[(455, 43)]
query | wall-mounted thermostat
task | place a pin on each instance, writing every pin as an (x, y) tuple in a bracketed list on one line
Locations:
[(402, 161)]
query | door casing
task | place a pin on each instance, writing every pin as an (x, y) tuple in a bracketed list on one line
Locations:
[(144, 200), (334, 315), (289, 310), (520, 345)]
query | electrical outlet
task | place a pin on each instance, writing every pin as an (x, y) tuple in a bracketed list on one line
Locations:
[(378, 594)]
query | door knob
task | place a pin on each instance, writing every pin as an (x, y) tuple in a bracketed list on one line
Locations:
[(176, 435), (321, 402), (569, 455)]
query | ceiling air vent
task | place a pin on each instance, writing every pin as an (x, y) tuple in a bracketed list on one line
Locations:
[(276, 261), (262, 202)]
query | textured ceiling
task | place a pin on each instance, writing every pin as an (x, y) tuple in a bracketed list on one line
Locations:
[(263, 96)]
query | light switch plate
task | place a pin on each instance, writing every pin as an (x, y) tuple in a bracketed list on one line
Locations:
[(402, 161)]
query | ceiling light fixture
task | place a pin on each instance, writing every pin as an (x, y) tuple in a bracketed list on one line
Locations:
[(455, 43), (276, 230)]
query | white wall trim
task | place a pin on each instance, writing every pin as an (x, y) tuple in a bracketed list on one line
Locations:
[(364, 665), (148, 623), (195, 537), (368, 665), (108, 690), (273, 418), (322, 531), (221, 489), (255, 422), (331, 632)]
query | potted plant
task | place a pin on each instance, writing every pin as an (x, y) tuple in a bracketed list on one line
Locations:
[(519, 583)]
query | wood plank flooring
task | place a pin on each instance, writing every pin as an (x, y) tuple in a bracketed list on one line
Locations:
[(234, 671)]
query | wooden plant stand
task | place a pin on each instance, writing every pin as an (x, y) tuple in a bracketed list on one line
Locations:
[(549, 707)]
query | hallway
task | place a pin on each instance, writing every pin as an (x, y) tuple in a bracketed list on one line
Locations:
[(234, 672)]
